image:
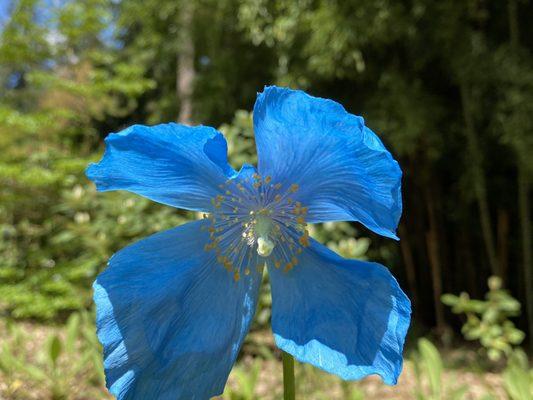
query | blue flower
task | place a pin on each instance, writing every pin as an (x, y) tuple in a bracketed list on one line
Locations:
[(173, 309)]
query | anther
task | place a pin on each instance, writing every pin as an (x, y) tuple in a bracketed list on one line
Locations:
[(304, 239)]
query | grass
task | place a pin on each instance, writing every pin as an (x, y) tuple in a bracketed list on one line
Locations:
[(257, 375)]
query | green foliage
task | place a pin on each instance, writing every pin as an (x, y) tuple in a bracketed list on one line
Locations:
[(431, 363), (52, 254), (65, 362), (321, 39), (23, 42), (514, 112), (247, 378), (240, 137), (429, 368), (56, 234), (315, 383), (57, 364), (518, 377), (351, 247), (488, 320)]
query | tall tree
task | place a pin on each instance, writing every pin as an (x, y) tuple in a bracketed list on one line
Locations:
[(185, 60), (515, 114)]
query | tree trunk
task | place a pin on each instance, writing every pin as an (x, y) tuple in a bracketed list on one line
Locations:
[(480, 186), (525, 223), (432, 243), (466, 264), (503, 243), (409, 263), (436, 275), (514, 35), (185, 60), (523, 190)]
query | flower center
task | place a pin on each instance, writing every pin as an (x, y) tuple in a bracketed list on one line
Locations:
[(264, 246), (259, 230), (254, 221)]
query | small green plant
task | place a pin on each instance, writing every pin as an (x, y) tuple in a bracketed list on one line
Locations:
[(429, 363), (351, 247), (518, 377), (57, 365), (340, 237), (240, 137), (351, 392), (429, 368), (246, 381), (488, 320), (9, 362)]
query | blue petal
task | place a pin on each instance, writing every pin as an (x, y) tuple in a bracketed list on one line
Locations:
[(346, 317), (172, 164), (343, 170), (170, 319)]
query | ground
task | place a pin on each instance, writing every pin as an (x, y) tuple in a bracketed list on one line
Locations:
[(312, 384)]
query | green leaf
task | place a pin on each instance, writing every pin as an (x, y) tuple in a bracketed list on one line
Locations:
[(34, 372), (7, 360), (449, 299), (73, 327), (517, 383), (54, 349), (433, 363), (458, 393), (98, 366)]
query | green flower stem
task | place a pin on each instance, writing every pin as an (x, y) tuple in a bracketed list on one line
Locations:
[(288, 376)]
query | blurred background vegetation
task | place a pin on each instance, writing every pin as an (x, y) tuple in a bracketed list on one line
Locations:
[(447, 84)]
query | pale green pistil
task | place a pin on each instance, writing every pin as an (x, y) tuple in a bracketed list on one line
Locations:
[(263, 228)]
